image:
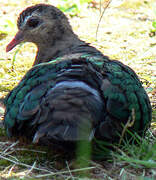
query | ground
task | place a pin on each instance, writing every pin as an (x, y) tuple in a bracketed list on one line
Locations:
[(124, 34)]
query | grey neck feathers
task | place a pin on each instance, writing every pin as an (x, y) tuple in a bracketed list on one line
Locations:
[(49, 51)]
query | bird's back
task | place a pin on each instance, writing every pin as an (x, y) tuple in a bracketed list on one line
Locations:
[(75, 97), (56, 100)]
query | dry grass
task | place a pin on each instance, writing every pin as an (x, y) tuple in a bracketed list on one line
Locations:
[(123, 34)]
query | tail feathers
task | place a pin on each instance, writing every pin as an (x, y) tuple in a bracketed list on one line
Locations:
[(73, 113), (64, 133)]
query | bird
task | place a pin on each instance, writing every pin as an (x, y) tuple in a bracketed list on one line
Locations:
[(73, 92)]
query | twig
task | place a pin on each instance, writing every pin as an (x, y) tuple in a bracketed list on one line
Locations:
[(102, 16), (11, 146), (6, 169), (13, 157), (10, 170), (64, 172), (14, 56), (128, 124), (30, 150), (69, 170), (32, 167), (25, 165)]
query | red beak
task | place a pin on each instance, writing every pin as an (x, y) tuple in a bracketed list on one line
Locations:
[(16, 40)]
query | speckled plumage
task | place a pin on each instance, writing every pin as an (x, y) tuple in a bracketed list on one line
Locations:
[(79, 94)]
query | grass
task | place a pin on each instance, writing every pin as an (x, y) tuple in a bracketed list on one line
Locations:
[(123, 34)]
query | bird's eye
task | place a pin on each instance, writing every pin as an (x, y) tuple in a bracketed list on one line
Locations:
[(33, 22)]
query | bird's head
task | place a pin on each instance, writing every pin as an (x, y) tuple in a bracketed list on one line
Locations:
[(40, 24)]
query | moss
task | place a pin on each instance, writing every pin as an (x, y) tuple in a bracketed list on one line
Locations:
[(2, 132), (4, 163)]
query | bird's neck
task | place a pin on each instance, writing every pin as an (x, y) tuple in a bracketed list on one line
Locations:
[(49, 51)]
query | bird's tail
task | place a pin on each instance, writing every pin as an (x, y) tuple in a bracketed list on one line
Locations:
[(74, 111)]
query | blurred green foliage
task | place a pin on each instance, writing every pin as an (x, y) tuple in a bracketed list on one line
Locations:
[(73, 7), (153, 30)]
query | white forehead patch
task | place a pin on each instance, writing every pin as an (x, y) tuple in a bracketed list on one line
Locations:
[(25, 20)]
